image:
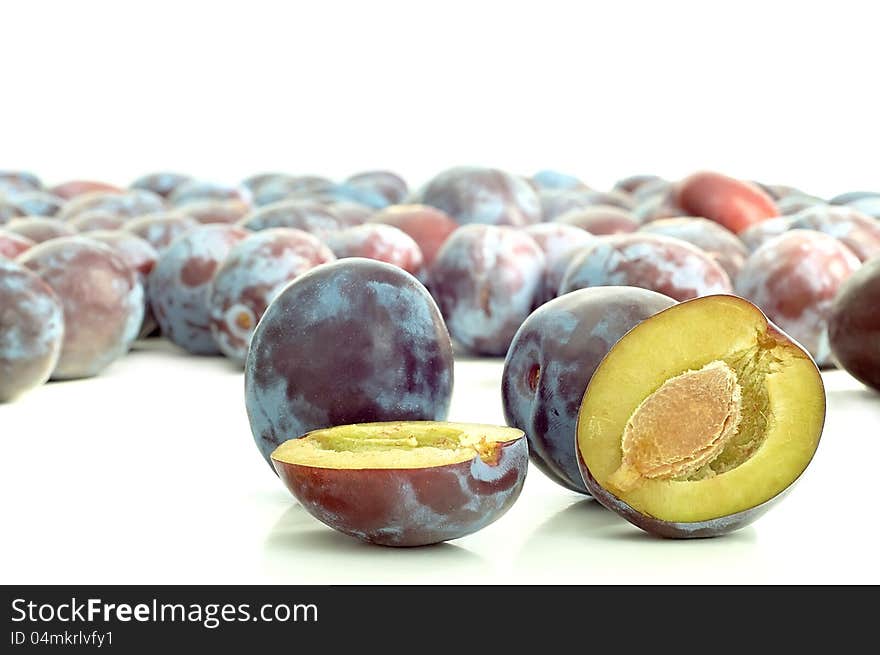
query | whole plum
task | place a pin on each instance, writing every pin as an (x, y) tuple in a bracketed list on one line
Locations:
[(180, 285), (485, 279), (550, 363), (559, 242), (794, 278), (390, 187), (161, 230), (384, 243), (12, 244), (306, 215), (483, 195), (600, 219), (162, 183), (103, 302), (39, 229), (712, 238), (31, 330), (352, 341), (736, 204), (857, 231), (429, 227), (253, 273), (854, 324), (666, 265)]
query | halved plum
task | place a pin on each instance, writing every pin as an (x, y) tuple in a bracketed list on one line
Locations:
[(699, 419), (407, 483)]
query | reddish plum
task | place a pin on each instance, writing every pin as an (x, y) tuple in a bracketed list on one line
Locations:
[(736, 204)]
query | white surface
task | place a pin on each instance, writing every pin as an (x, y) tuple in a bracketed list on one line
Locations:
[(779, 91), (149, 474)]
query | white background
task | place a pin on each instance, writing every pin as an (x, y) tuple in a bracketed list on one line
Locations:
[(785, 92), (149, 474)]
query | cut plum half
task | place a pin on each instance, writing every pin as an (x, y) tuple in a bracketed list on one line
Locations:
[(405, 483), (699, 418)]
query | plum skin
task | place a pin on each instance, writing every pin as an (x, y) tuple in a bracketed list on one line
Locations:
[(379, 241), (352, 341), (485, 279), (253, 273), (102, 297), (180, 284), (854, 324), (735, 204), (715, 527), (670, 529), (664, 264), (411, 507), (551, 360), (429, 227), (31, 330), (794, 278), (483, 195), (13, 244)]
